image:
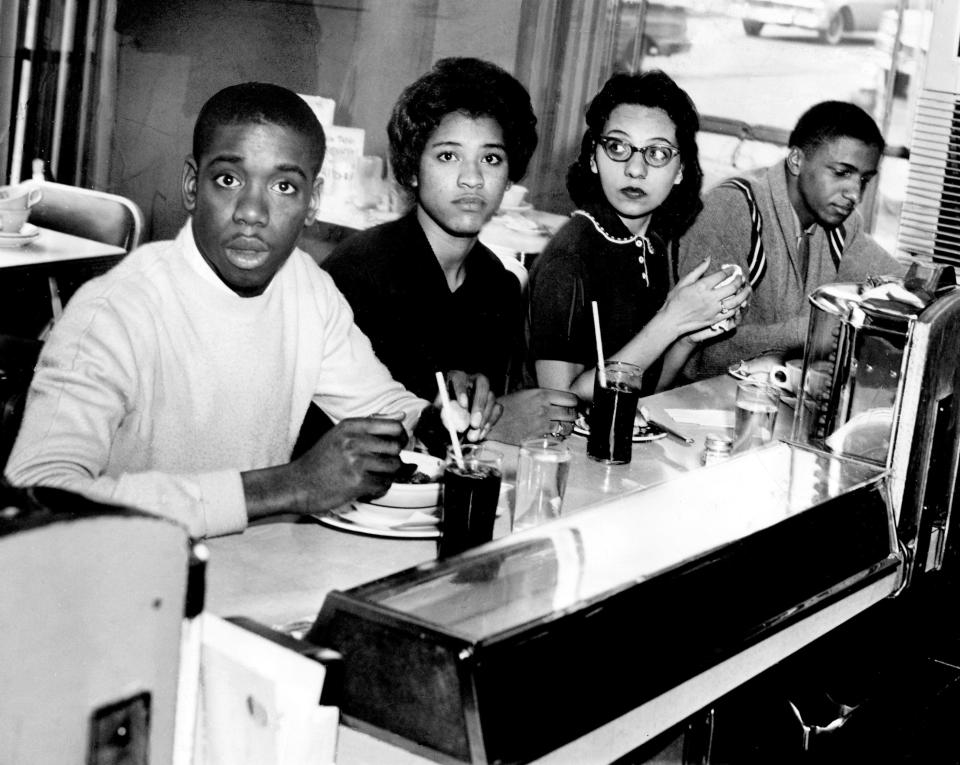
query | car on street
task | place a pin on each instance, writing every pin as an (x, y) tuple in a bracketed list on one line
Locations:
[(664, 29), (831, 19)]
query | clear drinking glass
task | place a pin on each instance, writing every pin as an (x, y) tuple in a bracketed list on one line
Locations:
[(541, 481), (757, 404)]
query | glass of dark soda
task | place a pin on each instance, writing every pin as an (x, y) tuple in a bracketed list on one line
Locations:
[(469, 494), (613, 413)]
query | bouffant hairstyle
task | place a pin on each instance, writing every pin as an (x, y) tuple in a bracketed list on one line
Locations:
[(475, 88), (654, 89), (259, 103), (835, 119)]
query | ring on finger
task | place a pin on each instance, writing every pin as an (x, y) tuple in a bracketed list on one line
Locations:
[(723, 309)]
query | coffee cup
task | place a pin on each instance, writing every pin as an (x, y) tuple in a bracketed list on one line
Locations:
[(733, 271), (12, 221), (18, 197), (787, 376), (15, 204)]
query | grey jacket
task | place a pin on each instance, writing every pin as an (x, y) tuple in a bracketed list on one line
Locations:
[(777, 318)]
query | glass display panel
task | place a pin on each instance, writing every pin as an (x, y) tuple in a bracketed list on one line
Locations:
[(853, 364), (543, 573)]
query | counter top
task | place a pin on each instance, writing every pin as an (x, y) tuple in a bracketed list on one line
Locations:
[(56, 247), (280, 572)]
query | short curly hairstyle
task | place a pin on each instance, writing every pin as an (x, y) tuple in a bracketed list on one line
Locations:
[(835, 119), (654, 89), (259, 103), (469, 85)]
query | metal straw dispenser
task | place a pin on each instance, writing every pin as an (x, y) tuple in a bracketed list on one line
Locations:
[(878, 384), (855, 353)]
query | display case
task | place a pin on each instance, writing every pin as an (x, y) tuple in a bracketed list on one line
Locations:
[(879, 384), (509, 651)]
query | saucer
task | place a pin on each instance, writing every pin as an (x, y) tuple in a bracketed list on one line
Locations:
[(737, 371), (27, 234), (641, 433), (522, 207)]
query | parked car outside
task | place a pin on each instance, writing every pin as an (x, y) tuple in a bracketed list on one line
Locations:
[(664, 32), (831, 19)]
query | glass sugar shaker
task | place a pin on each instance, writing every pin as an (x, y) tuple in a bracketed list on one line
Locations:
[(716, 448)]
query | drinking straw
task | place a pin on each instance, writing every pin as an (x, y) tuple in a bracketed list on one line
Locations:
[(454, 438), (601, 372)]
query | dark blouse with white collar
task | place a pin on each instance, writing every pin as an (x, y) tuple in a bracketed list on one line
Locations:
[(595, 257)]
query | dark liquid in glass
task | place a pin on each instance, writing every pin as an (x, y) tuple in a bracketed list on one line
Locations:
[(468, 508), (612, 418)]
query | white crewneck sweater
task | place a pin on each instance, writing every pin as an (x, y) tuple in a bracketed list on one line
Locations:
[(160, 385)]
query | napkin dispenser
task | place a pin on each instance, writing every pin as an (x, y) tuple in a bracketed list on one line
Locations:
[(879, 384), (92, 601), (515, 649)]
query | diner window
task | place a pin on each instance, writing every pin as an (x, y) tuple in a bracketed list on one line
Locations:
[(105, 91), (55, 58), (753, 68)]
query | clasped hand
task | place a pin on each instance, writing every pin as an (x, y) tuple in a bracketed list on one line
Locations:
[(699, 302)]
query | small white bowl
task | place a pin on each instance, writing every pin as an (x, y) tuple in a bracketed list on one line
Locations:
[(414, 494)]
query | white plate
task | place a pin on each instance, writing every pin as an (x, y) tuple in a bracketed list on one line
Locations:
[(27, 234), (379, 515), (640, 433), (337, 523)]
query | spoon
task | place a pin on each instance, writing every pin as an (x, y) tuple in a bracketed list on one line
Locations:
[(645, 413)]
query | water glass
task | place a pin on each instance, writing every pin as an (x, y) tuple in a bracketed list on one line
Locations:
[(469, 495), (613, 412), (757, 404), (541, 481)]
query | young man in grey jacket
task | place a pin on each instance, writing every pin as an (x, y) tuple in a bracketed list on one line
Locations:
[(792, 227)]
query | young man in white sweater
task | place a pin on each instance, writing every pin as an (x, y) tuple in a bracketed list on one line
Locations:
[(178, 381)]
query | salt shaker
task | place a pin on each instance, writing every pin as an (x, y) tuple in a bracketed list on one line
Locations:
[(716, 448)]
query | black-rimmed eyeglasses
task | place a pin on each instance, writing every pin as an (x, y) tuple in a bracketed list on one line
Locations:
[(655, 155)]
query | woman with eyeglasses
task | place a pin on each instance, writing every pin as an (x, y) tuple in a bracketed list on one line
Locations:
[(637, 185)]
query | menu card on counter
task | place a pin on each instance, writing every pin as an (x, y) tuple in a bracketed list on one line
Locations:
[(344, 149)]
